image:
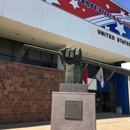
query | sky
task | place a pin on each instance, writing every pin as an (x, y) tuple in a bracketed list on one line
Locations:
[(124, 3)]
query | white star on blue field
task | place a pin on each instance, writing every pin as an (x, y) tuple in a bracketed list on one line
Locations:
[(124, 3), (120, 28)]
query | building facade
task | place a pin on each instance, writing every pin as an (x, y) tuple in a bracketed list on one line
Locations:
[(100, 30)]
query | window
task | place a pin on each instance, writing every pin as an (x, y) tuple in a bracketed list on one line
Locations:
[(34, 55), (6, 47), (92, 70), (9, 50), (46, 57), (106, 73), (5, 58)]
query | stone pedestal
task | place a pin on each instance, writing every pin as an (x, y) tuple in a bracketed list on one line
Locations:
[(73, 111)]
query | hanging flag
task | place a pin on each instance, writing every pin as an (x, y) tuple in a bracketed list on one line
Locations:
[(100, 77), (85, 75)]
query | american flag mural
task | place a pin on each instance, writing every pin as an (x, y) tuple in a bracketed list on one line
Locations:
[(104, 13)]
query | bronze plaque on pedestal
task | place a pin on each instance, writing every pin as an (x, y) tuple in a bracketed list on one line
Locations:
[(73, 110)]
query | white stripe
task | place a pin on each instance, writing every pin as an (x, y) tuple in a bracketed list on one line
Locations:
[(100, 16), (103, 20), (109, 21)]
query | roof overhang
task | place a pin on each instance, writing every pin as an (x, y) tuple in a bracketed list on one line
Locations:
[(34, 36), (88, 61)]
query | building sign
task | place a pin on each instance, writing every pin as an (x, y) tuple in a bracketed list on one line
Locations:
[(112, 37), (106, 13)]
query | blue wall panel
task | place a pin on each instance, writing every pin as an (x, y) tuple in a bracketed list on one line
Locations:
[(122, 91), (105, 88)]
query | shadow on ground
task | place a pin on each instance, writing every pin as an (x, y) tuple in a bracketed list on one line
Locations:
[(109, 115), (99, 116), (21, 125)]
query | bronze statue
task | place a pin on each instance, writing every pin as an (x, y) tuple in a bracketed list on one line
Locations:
[(72, 61)]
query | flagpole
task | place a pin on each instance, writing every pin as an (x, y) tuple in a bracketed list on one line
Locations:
[(85, 66), (109, 76), (83, 72), (93, 78)]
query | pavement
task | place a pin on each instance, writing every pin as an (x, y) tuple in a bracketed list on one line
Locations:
[(104, 121)]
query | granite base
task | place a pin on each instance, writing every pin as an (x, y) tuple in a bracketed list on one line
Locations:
[(58, 120)]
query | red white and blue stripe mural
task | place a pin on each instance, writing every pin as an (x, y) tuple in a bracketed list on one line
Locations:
[(104, 13)]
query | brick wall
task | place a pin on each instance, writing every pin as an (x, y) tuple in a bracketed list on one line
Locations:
[(26, 92)]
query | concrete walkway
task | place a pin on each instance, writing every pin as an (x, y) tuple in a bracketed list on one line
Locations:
[(105, 121), (112, 121)]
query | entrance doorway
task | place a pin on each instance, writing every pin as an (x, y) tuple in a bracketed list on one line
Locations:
[(102, 101)]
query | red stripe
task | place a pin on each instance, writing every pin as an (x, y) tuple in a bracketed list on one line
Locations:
[(85, 75)]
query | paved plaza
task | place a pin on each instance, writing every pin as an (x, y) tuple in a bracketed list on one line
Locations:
[(105, 121)]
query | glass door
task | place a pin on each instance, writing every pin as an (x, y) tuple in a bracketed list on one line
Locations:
[(98, 102)]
